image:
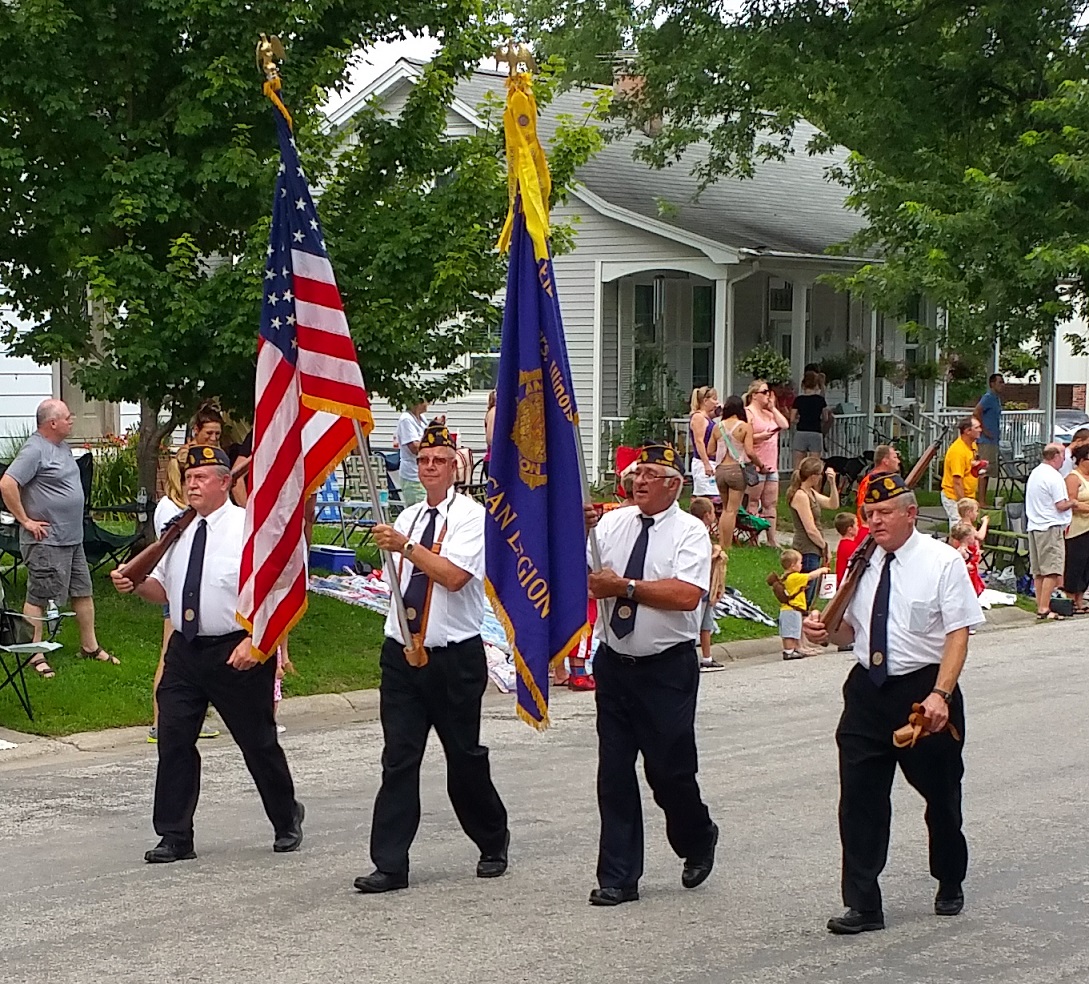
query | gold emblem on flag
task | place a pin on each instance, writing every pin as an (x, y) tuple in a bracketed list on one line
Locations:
[(529, 429), (624, 611), (877, 659), (190, 614)]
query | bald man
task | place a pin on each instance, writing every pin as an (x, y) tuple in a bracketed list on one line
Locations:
[(42, 490)]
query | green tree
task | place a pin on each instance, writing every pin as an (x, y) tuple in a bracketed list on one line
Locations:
[(966, 125), (136, 166)]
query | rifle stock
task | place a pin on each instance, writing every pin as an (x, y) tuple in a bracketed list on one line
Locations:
[(833, 613), (139, 567)]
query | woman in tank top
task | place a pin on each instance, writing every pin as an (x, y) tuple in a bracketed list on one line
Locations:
[(806, 502), (767, 421), (1076, 573), (700, 427), (731, 446)]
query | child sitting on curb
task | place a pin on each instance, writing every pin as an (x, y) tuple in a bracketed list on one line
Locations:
[(704, 509), (790, 592)]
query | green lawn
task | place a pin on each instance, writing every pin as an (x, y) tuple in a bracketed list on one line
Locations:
[(335, 648)]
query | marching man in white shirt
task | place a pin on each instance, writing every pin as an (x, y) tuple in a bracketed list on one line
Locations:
[(441, 569), (208, 659), (909, 622), (655, 570)]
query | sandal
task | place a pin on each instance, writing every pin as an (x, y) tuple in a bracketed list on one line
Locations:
[(1050, 617), (42, 668), (99, 655), (1084, 610)]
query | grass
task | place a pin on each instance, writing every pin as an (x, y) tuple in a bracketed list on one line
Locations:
[(335, 648)]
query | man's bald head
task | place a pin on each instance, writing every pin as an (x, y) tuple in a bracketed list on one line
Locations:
[(54, 420)]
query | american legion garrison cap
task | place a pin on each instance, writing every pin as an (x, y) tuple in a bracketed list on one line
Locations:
[(202, 454), (436, 436), (885, 488), (658, 454)]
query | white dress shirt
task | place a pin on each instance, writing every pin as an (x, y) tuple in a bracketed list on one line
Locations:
[(454, 616), (165, 510), (930, 596), (1044, 488), (677, 547), (410, 429), (219, 580)]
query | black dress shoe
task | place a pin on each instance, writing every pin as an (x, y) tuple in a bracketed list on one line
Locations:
[(494, 865), (949, 901), (167, 851), (380, 881), (853, 921), (291, 839), (698, 868), (614, 896)]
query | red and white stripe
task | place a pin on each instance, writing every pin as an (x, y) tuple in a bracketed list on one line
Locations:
[(295, 447)]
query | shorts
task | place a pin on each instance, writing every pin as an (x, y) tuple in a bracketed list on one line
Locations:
[(1047, 551), (790, 623), (989, 454), (809, 442), (707, 624), (951, 512), (55, 573), (412, 492), (729, 478)]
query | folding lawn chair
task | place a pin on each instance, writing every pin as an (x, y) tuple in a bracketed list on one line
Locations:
[(748, 528), (17, 651)]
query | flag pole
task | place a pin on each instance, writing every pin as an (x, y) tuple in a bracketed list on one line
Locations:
[(396, 598)]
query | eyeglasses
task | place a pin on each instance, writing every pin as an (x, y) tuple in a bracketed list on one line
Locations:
[(437, 459), (650, 476), (763, 392)]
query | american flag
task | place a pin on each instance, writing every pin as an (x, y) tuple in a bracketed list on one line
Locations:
[(309, 390)]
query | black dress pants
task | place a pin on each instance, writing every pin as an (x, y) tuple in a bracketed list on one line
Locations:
[(867, 765), (444, 695), (647, 706), (194, 675)]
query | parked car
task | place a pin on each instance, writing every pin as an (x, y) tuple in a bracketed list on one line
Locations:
[(1068, 421)]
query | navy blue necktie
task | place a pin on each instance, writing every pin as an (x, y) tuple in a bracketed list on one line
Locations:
[(623, 621), (416, 592), (191, 586), (879, 626)]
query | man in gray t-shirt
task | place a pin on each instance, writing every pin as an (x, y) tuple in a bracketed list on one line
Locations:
[(42, 490)]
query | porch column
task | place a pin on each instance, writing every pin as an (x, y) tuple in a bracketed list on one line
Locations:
[(723, 336), (799, 297), (869, 377), (594, 466), (1047, 390)]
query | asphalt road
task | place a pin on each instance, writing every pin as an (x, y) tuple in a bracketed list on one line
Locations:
[(78, 905)]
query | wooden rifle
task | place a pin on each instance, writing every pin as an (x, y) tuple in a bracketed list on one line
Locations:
[(140, 567), (833, 613)]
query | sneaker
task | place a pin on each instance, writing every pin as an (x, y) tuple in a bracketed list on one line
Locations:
[(152, 736), (581, 681), (793, 654), (280, 729), (710, 665), (208, 730)]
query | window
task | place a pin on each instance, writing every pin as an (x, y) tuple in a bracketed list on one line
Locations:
[(780, 294), (484, 365), (911, 357), (644, 314), (703, 334)]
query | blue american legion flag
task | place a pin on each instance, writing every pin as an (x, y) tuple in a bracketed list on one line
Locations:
[(309, 391), (535, 533)]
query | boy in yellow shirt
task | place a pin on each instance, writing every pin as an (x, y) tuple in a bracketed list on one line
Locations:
[(793, 609)]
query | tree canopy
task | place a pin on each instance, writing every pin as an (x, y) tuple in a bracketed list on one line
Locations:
[(966, 127)]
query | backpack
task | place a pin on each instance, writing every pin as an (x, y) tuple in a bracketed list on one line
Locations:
[(779, 590)]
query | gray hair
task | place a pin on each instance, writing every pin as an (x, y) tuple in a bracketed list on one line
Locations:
[(50, 410)]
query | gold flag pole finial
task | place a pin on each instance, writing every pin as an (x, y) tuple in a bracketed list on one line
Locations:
[(270, 52), (514, 55)]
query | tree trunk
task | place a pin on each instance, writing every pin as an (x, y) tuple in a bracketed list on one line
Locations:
[(150, 436)]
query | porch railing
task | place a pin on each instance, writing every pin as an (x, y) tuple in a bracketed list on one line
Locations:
[(851, 437)]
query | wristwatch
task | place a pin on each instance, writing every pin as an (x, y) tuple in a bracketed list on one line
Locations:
[(943, 694), (409, 546), (630, 590)]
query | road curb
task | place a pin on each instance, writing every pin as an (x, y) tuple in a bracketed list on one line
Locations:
[(361, 706)]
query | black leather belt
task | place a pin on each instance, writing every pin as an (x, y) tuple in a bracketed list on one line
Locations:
[(680, 649)]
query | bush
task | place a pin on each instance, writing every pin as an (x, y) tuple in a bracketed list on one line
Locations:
[(116, 478)]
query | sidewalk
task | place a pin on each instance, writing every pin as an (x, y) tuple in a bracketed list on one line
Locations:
[(361, 706)]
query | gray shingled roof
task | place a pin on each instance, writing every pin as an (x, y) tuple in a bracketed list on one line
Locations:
[(787, 206)]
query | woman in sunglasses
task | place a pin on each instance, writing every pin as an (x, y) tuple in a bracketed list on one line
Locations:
[(767, 421)]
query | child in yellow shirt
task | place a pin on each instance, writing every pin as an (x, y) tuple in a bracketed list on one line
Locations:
[(793, 609)]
